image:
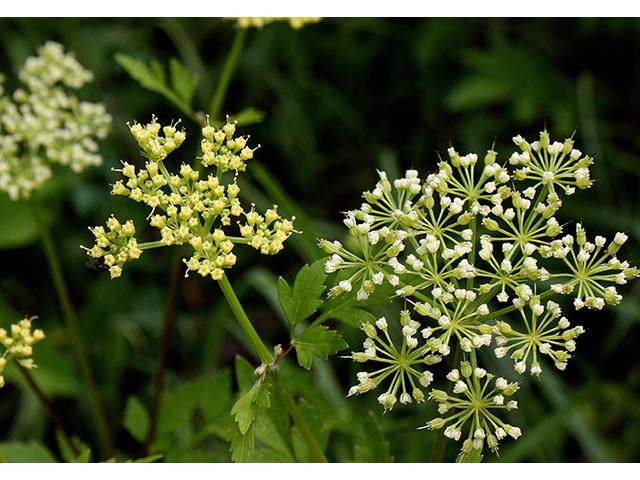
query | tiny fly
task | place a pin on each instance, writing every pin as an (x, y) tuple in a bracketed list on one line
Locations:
[(96, 264)]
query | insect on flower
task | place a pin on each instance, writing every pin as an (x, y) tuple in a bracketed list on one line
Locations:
[(95, 264)]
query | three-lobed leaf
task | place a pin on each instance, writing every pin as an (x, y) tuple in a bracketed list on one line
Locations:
[(304, 299), (318, 341)]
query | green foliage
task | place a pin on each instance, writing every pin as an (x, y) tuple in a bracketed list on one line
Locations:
[(32, 451), (474, 456), (246, 426), (328, 126), (246, 408), (17, 225), (318, 341), (303, 301), (136, 418), (153, 77), (371, 446)]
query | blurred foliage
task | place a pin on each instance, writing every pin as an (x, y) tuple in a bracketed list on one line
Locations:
[(341, 98)]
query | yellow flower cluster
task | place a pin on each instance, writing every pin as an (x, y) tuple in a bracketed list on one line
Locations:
[(117, 245), (184, 206), (259, 22), (18, 343)]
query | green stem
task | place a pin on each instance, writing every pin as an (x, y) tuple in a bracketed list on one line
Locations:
[(256, 342), (303, 427), (267, 359), (73, 328), (227, 72), (3, 459)]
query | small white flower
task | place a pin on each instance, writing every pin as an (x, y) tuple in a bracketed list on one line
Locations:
[(515, 432), (502, 297), (480, 372), (460, 387), (426, 378)]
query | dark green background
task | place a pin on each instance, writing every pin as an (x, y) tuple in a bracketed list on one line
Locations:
[(341, 98)]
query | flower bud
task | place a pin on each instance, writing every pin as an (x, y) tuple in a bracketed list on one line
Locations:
[(465, 369), (490, 224), (490, 157), (544, 139), (418, 395), (511, 389), (369, 330), (360, 357), (436, 423), (439, 396), (423, 309), (581, 236), (467, 446)]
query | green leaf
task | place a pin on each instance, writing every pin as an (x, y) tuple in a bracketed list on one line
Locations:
[(149, 459), (153, 77), (184, 84), (353, 317), (215, 395), (178, 407), (371, 445), (248, 116), (244, 374), (303, 301), (475, 456), (84, 457), (241, 444), (136, 418), (247, 406), (31, 452), (66, 453), (17, 223), (318, 341)]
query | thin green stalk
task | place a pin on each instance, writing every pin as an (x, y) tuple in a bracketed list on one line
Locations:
[(302, 425), (73, 328), (256, 342), (227, 72), (437, 451), (3, 459), (266, 358)]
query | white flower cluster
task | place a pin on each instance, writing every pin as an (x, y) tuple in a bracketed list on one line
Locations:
[(45, 124), (472, 243)]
